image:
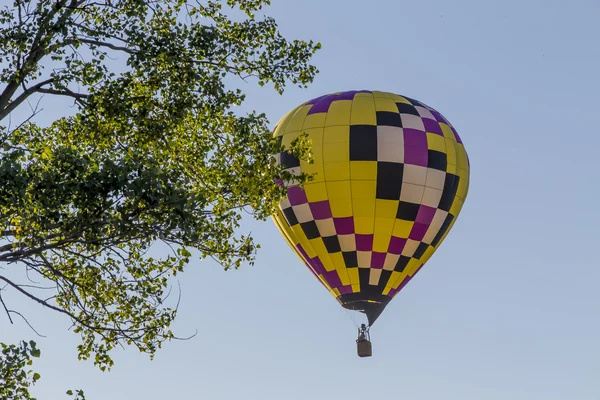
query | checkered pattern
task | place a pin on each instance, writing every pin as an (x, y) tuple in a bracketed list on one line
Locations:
[(392, 175)]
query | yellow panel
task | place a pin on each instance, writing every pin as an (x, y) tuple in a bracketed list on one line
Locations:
[(412, 266), (339, 113), (363, 189), (451, 151), (339, 190), (314, 120), (340, 266), (316, 191), (384, 208), (327, 263), (402, 228), (297, 121), (356, 288), (282, 123), (337, 171), (315, 168), (452, 169), (428, 253), (447, 131), (363, 111), (336, 152), (363, 207), (336, 292), (353, 275), (288, 138), (340, 207), (399, 99), (336, 134), (385, 104), (364, 225), (386, 291), (383, 234), (461, 155), (301, 237), (380, 94), (363, 170), (456, 207), (395, 279), (368, 95), (436, 142), (319, 247)]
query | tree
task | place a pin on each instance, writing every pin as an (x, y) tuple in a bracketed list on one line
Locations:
[(153, 152)]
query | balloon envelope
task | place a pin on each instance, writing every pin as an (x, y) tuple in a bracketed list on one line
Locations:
[(391, 177)]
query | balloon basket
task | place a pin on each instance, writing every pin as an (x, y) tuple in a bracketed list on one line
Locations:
[(364, 348)]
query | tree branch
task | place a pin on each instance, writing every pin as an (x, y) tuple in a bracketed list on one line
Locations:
[(22, 97)]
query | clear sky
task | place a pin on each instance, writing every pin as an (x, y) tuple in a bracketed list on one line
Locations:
[(506, 309)]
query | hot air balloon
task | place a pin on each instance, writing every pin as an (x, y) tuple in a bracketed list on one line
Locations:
[(390, 177)]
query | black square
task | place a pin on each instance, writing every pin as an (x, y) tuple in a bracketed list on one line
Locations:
[(404, 108), (443, 229), (310, 229), (364, 275), (449, 192), (388, 118), (289, 160), (350, 259), (389, 180), (420, 250), (363, 143), (290, 216), (383, 279), (414, 102), (401, 264), (332, 244), (437, 160), (407, 211)]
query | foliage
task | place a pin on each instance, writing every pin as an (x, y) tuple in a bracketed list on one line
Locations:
[(15, 377), (153, 152)]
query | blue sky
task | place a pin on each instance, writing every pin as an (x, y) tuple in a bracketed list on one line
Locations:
[(506, 309)]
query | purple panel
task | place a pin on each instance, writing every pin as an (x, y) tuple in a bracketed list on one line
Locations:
[(415, 147), (439, 116), (425, 215), (345, 289), (432, 126), (418, 231), (364, 242), (320, 209), (377, 260), (322, 105), (396, 245), (296, 196), (315, 100), (458, 139), (332, 279), (344, 226)]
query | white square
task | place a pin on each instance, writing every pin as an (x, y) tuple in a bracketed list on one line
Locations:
[(411, 193), (374, 276), (412, 122), (390, 261), (435, 179), (364, 259), (424, 113), (410, 247), (285, 203), (431, 197), (390, 135), (326, 227), (347, 242), (303, 213), (414, 174), (390, 152), (434, 227)]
